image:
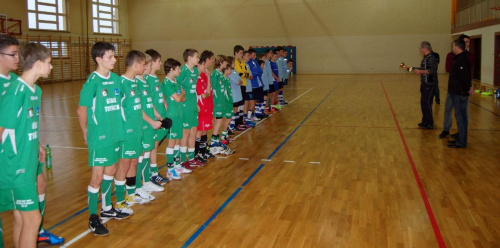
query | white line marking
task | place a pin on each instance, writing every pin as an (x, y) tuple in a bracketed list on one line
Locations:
[(314, 162), (300, 96), (83, 234), (266, 160), (221, 157), (235, 137), (289, 161), (244, 159)]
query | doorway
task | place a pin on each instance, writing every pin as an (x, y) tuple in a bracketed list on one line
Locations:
[(475, 48)]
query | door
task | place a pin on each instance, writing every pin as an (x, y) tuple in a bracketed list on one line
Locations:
[(496, 66)]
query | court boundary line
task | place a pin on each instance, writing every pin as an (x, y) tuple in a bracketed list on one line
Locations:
[(238, 190), (423, 194)]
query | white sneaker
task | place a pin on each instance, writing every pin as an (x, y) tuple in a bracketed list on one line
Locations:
[(144, 194), (172, 174), (184, 170), (123, 207), (216, 150), (135, 199), (151, 187)]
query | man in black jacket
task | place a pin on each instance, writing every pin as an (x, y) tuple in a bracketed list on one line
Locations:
[(428, 84), (459, 87)]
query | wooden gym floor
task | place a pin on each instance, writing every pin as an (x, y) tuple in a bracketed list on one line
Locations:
[(343, 165)]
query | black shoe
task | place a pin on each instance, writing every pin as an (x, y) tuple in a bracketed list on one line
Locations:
[(113, 214), (159, 180), (427, 127), (454, 145), (96, 226), (443, 134), (421, 124), (454, 136), (452, 141), (230, 132), (200, 158)]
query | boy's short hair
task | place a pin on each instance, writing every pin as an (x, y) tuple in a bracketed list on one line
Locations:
[(463, 36), (268, 50), (290, 61), (280, 49), (261, 55), (245, 53), (30, 53), (147, 58), (100, 48), (134, 56), (237, 49), (188, 53), (205, 55), (226, 68), (261, 62), (275, 51), (170, 64), (230, 60), (219, 59), (252, 51), (153, 53), (460, 43), (7, 41)]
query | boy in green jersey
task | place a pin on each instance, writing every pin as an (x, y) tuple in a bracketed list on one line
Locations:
[(174, 96), (161, 108), (188, 79), (21, 151), (149, 127), (99, 114), (131, 147)]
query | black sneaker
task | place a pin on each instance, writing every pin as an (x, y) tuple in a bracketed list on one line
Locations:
[(159, 180), (113, 214), (454, 136), (230, 131), (200, 157), (427, 127), (96, 226), (443, 134), (208, 155), (421, 124)]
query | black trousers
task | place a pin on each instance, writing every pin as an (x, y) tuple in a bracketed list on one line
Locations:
[(426, 95)]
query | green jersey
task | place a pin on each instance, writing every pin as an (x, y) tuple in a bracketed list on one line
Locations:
[(174, 109), (157, 94), (20, 111), (5, 80), (187, 79), (228, 96), (217, 86), (102, 97), (146, 101), (131, 107)]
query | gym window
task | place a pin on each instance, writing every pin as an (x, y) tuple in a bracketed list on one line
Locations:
[(105, 16), (57, 49), (47, 15)]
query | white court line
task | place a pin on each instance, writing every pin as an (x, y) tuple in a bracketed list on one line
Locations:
[(271, 114), (244, 159), (221, 157), (266, 160), (314, 162), (299, 96), (83, 234), (289, 161)]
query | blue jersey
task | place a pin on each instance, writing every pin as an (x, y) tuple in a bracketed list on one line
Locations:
[(234, 77), (256, 73), (275, 70)]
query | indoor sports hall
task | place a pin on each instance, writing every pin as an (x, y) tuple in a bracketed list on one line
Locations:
[(343, 164)]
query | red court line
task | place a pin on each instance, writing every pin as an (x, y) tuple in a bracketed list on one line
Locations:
[(434, 224)]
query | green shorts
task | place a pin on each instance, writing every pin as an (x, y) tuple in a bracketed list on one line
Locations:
[(40, 168), (23, 198), (228, 110), (219, 110), (176, 129), (131, 148), (106, 156), (148, 139), (190, 119), (160, 133)]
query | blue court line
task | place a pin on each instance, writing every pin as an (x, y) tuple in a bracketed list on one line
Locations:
[(81, 211), (214, 215)]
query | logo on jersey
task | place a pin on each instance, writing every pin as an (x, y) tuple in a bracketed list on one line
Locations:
[(157, 88), (104, 92), (144, 92), (37, 111), (30, 112), (132, 93), (117, 93), (191, 80)]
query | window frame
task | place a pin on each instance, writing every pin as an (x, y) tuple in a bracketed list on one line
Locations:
[(58, 22), (114, 20)]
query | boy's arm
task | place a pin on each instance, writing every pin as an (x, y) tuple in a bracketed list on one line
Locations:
[(41, 153), (82, 119), (157, 115), (153, 123)]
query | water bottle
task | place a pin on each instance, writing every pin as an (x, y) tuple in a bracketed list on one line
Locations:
[(48, 157)]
